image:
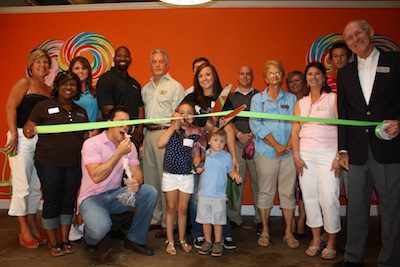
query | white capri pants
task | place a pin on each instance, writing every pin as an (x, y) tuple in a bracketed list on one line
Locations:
[(320, 189), (26, 192)]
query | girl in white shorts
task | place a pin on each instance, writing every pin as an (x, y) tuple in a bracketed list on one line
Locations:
[(177, 180)]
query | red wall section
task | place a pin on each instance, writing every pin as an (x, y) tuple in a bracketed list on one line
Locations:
[(228, 37)]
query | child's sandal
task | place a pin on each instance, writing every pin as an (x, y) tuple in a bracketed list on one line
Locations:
[(67, 247), (170, 247), (185, 246), (56, 250)]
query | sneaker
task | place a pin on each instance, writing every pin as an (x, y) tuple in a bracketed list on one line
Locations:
[(229, 243), (258, 228), (198, 242), (205, 248), (76, 232), (217, 250)]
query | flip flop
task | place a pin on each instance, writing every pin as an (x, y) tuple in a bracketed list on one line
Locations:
[(328, 254), (313, 251), (291, 241), (263, 240)]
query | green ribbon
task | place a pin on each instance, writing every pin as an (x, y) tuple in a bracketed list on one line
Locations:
[(73, 127)]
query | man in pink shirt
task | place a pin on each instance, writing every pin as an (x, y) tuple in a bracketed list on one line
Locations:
[(102, 171)]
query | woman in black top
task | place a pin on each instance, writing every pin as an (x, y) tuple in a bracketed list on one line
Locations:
[(207, 88), (26, 196), (58, 159)]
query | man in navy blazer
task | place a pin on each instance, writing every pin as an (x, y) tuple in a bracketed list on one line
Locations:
[(369, 90)]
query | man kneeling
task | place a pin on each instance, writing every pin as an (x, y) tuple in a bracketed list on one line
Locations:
[(102, 171)]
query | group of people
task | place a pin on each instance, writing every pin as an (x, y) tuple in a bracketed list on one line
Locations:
[(184, 175)]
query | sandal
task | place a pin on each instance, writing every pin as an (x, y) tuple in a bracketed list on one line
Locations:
[(263, 240), (185, 246), (26, 243), (56, 251), (67, 247), (328, 254), (313, 251), (291, 241), (169, 247)]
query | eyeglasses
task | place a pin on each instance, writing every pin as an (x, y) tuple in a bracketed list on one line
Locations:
[(272, 74)]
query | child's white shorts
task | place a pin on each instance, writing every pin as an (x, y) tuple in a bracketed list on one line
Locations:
[(181, 182)]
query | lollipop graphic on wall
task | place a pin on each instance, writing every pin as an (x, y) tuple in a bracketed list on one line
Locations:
[(52, 47), (94, 47), (319, 50)]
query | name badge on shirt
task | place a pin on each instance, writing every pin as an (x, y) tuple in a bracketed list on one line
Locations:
[(285, 106), (188, 142), (321, 108), (212, 104), (53, 110), (383, 69), (163, 92)]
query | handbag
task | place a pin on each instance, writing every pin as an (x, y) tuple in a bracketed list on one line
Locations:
[(249, 151)]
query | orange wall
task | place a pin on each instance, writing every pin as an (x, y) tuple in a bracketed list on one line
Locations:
[(228, 37)]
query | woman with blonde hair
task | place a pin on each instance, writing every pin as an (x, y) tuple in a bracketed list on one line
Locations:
[(273, 158), (26, 196)]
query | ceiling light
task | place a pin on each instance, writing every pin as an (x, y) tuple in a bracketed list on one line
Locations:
[(185, 2)]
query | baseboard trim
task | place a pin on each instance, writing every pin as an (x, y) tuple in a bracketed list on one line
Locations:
[(247, 210)]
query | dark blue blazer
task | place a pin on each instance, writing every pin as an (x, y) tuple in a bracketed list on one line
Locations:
[(384, 105)]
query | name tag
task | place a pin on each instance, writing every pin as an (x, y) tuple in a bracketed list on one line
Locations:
[(212, 104), (163, 92), (53, 110), (321, 108), (285, 106), (188, 142), (383, 69)]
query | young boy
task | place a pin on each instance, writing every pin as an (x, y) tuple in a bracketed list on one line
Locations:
[(211, 207)]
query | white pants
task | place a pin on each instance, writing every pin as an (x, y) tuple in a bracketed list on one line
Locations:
[(26, 192), (320, 189)]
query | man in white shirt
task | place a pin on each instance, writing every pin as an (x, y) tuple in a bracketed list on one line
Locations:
[(161, 95), (369, 90)]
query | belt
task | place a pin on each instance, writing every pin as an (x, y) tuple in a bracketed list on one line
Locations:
[(156, 127)]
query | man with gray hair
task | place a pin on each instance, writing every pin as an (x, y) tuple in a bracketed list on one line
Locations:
[(161, 95), (368, 90)]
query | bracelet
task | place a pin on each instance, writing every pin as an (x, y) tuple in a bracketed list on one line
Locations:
[(238, 134)]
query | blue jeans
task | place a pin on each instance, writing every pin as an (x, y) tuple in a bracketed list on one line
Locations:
[(197, 229), (96, 212)]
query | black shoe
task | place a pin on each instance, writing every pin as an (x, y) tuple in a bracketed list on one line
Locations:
[(117, 234), (141, 249), (198, 242), (229, 243), (258, 228), (344, 263)]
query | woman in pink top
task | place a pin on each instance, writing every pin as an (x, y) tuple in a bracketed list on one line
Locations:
[(316, 160)]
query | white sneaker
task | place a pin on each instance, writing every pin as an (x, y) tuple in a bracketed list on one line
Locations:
[(76, 232)]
